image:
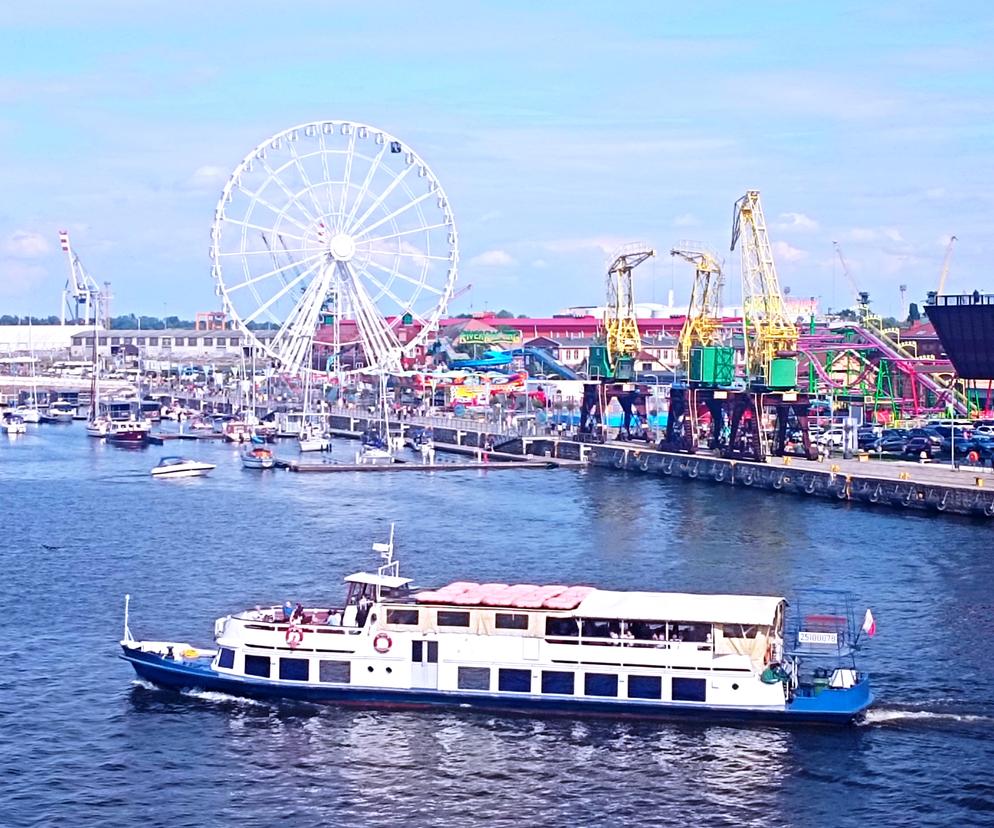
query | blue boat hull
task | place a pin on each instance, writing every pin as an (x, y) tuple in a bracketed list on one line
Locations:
[(834, 707)]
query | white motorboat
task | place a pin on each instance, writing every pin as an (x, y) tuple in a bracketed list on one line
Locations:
[(29, 414), (12, 423), (257, 457), (181, 467), (372, 455)]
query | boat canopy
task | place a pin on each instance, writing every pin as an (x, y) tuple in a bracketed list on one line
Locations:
[(386, 581), (680, 606)]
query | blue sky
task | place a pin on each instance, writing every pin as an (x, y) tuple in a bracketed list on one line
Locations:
[(559, 130)]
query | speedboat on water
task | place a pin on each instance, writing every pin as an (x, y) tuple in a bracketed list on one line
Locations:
[(181, 467), (256, 457), (557, 649), (12, 423)]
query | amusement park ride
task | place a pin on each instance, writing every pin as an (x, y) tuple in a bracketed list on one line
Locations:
[(612, 362)]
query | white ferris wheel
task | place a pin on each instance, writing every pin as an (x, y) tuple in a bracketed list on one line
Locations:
[(338, 224)]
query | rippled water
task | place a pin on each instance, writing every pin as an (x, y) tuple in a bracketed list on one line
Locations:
[(83, 743)]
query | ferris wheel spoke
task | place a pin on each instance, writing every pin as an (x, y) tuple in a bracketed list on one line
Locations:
[(409, 254), (305, 178), (364, 189), (276, 179), (293, 265), (416, 282), (281, 292), (296, 334), (397, 235), (379, 200), (348, 175), (376, 332), (280, 214), (252, 226), (385, 289), (394, 214), (269, 253)]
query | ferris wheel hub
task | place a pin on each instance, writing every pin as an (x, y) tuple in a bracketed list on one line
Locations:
[(342, 247)]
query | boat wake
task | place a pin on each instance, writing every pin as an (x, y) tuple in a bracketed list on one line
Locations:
[(217, 697), (878, 718)]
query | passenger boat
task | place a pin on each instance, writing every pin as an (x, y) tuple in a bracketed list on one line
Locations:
[(257, 457), (572, 650), (181, 467)]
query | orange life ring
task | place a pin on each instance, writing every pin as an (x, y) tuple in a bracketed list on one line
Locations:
[(382, 643), (294, 636)]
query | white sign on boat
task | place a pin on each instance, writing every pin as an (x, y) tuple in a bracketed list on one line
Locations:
[(809, 637)]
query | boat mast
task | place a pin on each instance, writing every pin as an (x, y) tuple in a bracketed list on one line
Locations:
[(95, 380)]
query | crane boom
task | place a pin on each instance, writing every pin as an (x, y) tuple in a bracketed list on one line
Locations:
[(702, 326), (772, 344), (945, 264), (620, 325)]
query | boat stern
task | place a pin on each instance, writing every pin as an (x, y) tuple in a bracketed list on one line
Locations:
[(833, 704)]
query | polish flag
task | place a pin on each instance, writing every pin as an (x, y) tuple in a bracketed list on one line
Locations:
[(869, 624)]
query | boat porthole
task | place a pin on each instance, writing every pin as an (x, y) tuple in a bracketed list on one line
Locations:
[(389, 669), (370, 668), (735, 687)]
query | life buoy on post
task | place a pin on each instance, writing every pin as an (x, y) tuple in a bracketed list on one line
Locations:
[(294, 636), (382, 643)]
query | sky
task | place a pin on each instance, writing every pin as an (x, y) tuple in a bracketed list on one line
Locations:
[(559, 130)]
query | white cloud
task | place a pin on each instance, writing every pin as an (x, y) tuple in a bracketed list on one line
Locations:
[(494, 258), (605, 244), (788, 253), (207, 177), (19, 278), (25, 244), (796, 221)]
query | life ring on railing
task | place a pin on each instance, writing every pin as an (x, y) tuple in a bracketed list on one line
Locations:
[(294, 636), (382, 643)]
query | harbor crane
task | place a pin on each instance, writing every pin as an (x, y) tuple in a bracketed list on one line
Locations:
[(860, 297), (81, 295), (611, 366), (622, 337), (702, 327), (945, 264), (770, 335)]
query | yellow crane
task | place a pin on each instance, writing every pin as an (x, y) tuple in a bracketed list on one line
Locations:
[(622, 338), (702, 327), (945, 264), (770, 334)]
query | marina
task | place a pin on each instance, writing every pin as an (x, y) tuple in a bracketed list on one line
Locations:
[(577, 416)]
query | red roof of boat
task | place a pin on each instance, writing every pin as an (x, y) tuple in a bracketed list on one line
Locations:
[(507, 596)]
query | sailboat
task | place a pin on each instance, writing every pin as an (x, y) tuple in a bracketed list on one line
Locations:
[(376, 449), (29, 413), (97, 424), (311, 436)]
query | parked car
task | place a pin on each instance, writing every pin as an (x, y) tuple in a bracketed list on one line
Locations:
[(892, 440), (935, 439), (921, 443)]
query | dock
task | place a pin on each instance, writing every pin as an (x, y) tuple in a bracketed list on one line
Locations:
[(330, 468)]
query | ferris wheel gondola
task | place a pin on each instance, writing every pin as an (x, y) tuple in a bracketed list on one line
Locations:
[(334, 224)]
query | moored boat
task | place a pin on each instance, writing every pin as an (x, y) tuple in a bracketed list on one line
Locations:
[(58, 412), (569, 650), (181, 467), (129, 433), (12, 423), (312, 439), (256, 457)]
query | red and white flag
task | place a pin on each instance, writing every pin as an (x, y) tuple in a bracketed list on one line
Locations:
[(869, 624)]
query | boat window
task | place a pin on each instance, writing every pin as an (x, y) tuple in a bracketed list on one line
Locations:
[(226, 658), (403, 616), (451, 618), (600, 629), (294, 669), (645, 687), (689, 689), (335, 672), (514, 681), (556, 681), (600, 684), (474, 678), (561, 627), (513, 621), (690, 632), (257, 666)]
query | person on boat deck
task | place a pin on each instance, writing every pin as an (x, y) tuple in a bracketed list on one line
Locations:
[(334, 619), (298, 613), (363, 610), (287, 610)]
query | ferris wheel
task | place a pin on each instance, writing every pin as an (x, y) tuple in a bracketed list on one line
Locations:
[(337, 224)]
